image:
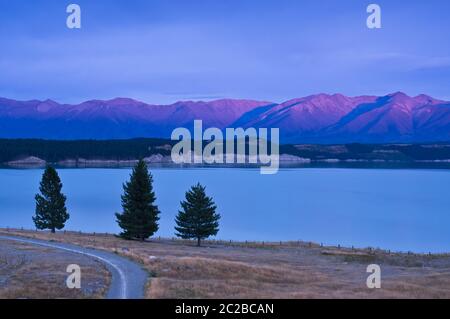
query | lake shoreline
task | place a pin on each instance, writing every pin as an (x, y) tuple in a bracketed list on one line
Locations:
[(399, 210), (327, 247), (23, 153), (286, 161), (283, 165)]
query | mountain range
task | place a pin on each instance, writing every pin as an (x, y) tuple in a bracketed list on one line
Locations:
[(321, 118)]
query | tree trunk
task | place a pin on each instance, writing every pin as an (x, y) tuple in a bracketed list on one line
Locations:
[(198, 242), (53, 230)]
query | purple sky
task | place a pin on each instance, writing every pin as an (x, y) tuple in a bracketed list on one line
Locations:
[(160, 51)]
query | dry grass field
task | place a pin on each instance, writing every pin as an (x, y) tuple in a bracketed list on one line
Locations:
[(179, 269), (35, 272)]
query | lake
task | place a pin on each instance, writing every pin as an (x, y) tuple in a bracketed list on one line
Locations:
[(389, 208)]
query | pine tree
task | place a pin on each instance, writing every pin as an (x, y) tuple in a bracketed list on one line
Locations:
[(198, 218), (51, 212), (139, 219)]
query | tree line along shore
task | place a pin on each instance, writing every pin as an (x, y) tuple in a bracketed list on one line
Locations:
[(98, 152)]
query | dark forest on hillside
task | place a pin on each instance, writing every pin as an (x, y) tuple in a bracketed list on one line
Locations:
[(59, 150), (53, 151)]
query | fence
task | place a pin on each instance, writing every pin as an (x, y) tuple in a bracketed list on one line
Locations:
[(234, 243)]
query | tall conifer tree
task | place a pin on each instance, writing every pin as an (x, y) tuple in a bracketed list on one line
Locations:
[(139, 219), (197, 218), (51, 212)]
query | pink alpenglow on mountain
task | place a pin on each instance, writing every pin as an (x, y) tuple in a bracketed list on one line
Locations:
[(320, 118)]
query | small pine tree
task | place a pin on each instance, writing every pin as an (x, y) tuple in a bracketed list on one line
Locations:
[(51, 212), (198, 218), (139, 219)]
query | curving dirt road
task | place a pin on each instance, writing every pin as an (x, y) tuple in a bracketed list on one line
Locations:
[(128, 278)]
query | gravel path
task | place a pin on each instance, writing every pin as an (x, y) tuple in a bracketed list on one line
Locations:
[(128, 278)]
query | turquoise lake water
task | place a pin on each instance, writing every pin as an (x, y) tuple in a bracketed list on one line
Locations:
[(393, 209)]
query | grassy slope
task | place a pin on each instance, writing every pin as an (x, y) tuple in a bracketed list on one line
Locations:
[(292, 270), (30, 271)]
